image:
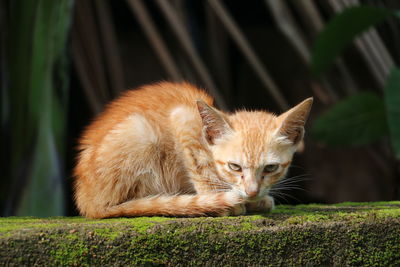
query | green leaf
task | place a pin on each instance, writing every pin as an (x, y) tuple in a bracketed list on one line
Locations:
[(392, 101), (357, 120), (340, 31)]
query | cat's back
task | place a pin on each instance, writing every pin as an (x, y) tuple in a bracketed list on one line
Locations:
[(154, 102)]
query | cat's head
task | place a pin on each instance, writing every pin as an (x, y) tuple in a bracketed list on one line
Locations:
[(253, 149)]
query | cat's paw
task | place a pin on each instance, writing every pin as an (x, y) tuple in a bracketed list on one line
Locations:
[(270, 202), (239, 209), (236, 203), (264, 205)]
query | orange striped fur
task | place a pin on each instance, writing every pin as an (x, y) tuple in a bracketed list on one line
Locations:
[(164, 150)]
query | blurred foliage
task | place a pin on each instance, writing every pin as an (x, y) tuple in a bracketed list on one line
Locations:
[(365, 117), (37, 95), (392, 102), (356, 120), (340, 31)]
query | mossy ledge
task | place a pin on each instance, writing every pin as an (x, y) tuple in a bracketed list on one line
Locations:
[(347, 234)]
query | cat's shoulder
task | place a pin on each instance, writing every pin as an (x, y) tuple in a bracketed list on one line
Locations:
[(152, 101)]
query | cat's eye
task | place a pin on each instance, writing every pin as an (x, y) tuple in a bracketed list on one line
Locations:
[(271, 168), (234, 167)]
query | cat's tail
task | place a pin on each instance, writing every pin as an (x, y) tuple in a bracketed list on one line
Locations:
[(211, 204)]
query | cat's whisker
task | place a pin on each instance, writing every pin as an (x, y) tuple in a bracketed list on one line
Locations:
[(291, 188), (295, 183), (292, 180), (301, 176), (287, 182), (286, 186), (281, 194)]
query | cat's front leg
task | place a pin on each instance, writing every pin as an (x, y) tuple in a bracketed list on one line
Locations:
[(194, 153), (264, 205)]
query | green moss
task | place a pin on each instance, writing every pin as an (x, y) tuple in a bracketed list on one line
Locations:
[(306, 218), (7, 228), (385, 213), (72, 253), (107, 233), (142, 224), (246, 226), (316, 235), (370, 204)]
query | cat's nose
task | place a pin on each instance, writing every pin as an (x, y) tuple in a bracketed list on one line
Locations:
[(252, 192)]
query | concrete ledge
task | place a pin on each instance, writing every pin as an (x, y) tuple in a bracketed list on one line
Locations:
[(351, 234)]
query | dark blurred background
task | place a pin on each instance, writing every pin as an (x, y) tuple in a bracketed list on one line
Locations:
[(62, 61)]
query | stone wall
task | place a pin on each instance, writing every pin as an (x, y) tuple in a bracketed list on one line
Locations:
[(351, 234)]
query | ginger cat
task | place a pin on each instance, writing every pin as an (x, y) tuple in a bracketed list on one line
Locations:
[(164, 150)]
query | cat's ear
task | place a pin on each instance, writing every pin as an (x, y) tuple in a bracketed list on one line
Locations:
[(215, 124), (292, 121)]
